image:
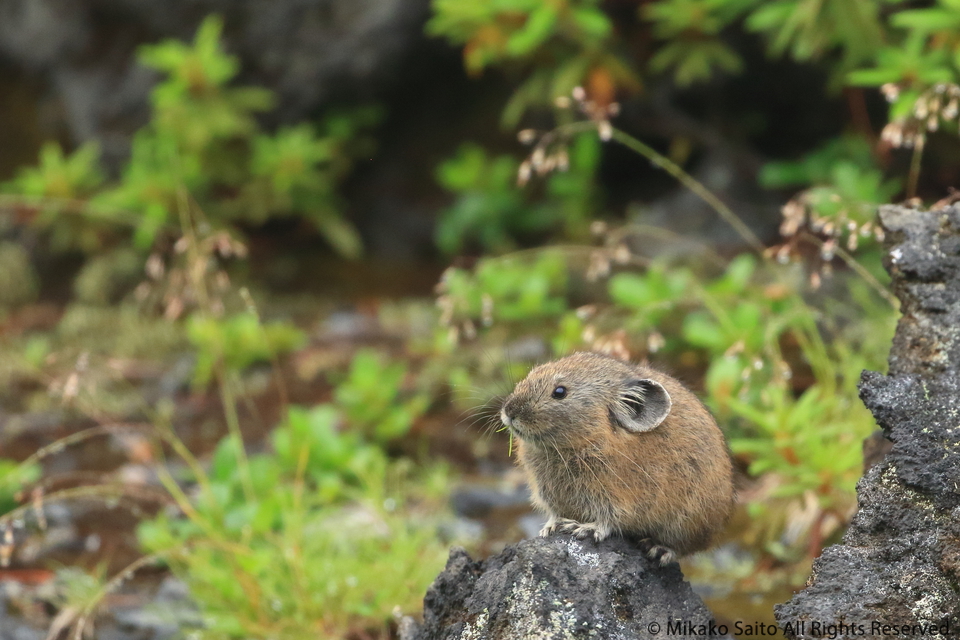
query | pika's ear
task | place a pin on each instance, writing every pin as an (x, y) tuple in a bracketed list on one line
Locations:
[(642, 405)]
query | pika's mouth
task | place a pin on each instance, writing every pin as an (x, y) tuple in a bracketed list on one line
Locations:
[(511, 423)]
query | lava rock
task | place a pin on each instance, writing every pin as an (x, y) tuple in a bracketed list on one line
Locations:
[(899, 562), (923, 257), (560, 587)]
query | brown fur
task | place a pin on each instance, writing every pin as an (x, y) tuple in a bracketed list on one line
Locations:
[(672, 484)]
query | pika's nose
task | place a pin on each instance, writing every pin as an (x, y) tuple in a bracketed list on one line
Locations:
[(508, 412)]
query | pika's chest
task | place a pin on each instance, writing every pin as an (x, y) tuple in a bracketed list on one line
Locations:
[(571, 478)]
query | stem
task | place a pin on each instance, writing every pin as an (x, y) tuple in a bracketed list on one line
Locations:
[(727, 214), (914, 176), (197, 270), (274, 361), (665, 163), (668, 165), (112, 584), (96, 491), (58, 445)]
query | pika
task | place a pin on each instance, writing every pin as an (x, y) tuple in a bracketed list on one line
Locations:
[(612, 447)]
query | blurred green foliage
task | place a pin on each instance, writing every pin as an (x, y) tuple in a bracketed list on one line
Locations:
[(314, 538), (691, 29), (324, 533), (14, 477), (370, 397), (921, 51), (506, 288), (204, 144), (559, 45), (914, 52), (492, 212)]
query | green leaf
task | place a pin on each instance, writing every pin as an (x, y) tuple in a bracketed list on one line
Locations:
[(703, 331), (930, 20), (537, 29), (594, 23), (630, 290)]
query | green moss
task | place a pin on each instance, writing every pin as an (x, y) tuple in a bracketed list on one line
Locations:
[(121, 332)]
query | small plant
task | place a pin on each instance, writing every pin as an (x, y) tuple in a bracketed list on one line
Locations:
[(489, 207), (919, 73), (76, 593), (320, 535)]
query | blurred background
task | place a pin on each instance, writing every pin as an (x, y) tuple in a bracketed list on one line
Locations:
[(268, 268)]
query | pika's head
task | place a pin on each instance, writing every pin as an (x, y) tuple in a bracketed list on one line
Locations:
[(581, 396)]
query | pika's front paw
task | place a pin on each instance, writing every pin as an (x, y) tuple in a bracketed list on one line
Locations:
[(549, 527), (555, 524), (663, 555), (583, 530)]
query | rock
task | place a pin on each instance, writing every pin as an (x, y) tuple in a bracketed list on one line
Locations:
[(561, 587), (899, 562), (169, 614), (13, 627), (477, 501)]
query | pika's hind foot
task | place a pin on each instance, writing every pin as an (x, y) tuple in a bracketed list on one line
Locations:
[(582, 530), (663, 555)]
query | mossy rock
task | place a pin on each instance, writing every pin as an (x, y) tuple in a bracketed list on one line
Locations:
[(19, 283)]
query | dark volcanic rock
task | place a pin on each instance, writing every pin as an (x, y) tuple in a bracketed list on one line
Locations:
[(899, 563), (560, 587), (923, 257)]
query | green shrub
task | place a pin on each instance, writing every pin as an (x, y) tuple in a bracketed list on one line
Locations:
[(559, 45), (492, 211), (203, 144)]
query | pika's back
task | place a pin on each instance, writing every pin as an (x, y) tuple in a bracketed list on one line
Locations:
[(624, 447)]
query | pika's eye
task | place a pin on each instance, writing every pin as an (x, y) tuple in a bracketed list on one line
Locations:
[(560, 393)]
